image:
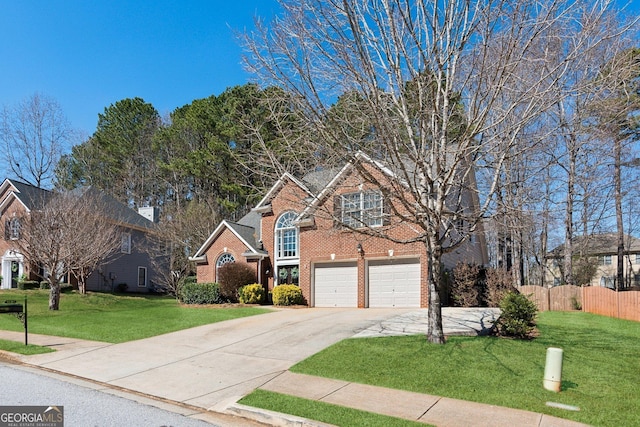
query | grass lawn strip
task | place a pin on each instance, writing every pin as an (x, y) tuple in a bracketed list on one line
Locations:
[(600, 372), (20, 348), (320, 411), (114, 318)]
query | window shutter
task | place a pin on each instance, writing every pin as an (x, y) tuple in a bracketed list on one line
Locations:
[(386, 210), (337, 211), (7, 225)]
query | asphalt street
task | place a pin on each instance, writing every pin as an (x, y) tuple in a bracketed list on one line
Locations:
[(83, 406)]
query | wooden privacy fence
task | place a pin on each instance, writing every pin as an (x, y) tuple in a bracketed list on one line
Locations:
[(622, 304), (592, 299), (558, 298)]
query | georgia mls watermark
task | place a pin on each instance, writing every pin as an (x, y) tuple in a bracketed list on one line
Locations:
[(31, 416)]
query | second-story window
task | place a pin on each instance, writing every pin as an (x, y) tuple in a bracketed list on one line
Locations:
[(362, 209), (12, 229), (604, 260), (125, 243)]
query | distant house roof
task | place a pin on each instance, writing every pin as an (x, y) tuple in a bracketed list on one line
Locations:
[(116, 210), (31, 197), (598, 244), (34, 198)]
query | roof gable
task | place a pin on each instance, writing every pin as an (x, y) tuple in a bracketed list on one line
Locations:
[(330, 187), (29, 196), (245, 233), (265, 204)]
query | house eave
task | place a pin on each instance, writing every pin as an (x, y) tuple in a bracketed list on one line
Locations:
[(306, 222), (263, 209), (254, 255), (202, 259)]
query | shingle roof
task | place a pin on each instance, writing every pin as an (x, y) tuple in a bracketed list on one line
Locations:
[(116, 210), (32, 197), (319, 179), (247, 228), (35, 198)]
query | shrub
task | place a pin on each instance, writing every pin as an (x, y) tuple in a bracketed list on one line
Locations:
[(287, 295), (44, 285), (518, 317), (200, 293), (233, 276), (28, 284), (498, 284), (122, 288), (251, 294), (464, 289)]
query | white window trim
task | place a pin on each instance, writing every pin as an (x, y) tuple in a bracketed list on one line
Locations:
[(145, 277), (280, 261), (125, 243), (279, 235)]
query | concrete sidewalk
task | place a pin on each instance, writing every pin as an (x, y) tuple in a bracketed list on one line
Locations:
[(435, 410), (212, 366)]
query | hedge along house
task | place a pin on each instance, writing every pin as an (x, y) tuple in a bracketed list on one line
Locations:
[(130, 264), (322, 233)]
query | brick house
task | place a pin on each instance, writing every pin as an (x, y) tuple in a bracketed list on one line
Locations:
[(302, 232), (131, 265)]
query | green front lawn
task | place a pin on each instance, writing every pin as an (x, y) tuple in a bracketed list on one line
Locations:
[(113, 318), (601, 373)]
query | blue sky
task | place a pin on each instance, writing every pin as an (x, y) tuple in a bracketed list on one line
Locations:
[(88, 54)]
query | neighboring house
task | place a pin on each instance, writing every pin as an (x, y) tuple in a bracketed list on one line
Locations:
[(130, 266), (600, 253), (296, 235)]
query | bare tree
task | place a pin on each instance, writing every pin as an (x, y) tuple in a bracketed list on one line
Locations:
[(97, 237), (480, 73), (173, 240), (35, 133), (66, 234)]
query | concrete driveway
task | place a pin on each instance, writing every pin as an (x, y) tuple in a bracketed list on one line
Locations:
[(214, 365)]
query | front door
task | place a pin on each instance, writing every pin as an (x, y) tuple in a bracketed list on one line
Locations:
[(15, 273)]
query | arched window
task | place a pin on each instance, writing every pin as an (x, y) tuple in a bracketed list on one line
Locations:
[(286, 236), (286, 249), (223, 259)]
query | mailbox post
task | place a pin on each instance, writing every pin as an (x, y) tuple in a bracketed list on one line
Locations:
[(18, 310)]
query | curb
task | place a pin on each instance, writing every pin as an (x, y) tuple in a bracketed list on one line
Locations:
[(272, 418)]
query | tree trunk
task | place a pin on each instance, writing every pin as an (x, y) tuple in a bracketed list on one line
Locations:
[(619, 224), (435, 334), (568, 220), (54, 296)]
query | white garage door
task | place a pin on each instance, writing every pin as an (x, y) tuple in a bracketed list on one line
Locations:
[(394, 283), (336, 285)]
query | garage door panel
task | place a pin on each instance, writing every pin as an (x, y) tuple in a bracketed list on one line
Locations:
[(336, 285), (394, 284)]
